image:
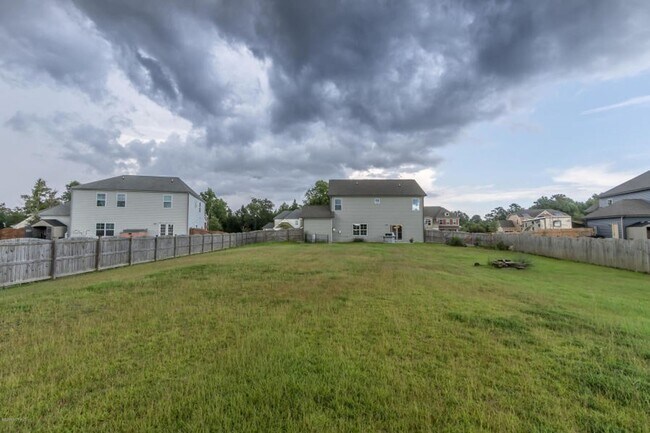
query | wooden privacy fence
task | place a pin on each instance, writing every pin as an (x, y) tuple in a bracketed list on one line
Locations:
[(633, 255), (26, 260)]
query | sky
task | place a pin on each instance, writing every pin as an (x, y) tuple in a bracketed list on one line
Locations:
[(484, 103)]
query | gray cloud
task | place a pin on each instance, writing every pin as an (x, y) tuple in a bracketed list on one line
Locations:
[(285, 90)]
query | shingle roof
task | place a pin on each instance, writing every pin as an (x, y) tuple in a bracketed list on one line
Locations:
[(622, 208), (294, 214), (50, 222), (437, 211), (639, 183), (534, 213), (375, 188), (268, 226), (316, 212), (60, 210), (140, 183), (506, 224), (281, 215)]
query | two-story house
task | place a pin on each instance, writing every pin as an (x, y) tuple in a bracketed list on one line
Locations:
[(126, 205), (540, 219), (288, 218), (368, 209), (439, 218), (622, 207)]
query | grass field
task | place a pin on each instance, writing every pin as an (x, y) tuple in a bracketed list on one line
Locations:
[(332, 338)]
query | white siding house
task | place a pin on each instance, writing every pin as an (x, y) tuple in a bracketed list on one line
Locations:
[(367, 209), (127, 204)]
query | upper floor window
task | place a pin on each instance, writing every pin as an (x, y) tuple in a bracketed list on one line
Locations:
[(167, 201), (338, 204), (609, 202), (101, 199), (428, 221), (121, 200), (415, 204), (377, 200)]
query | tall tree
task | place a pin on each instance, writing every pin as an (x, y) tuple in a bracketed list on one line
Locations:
[(67, 195), (42, 197), (255, 214), (317, 194), (497, 214), (216, 209), (514, 208)]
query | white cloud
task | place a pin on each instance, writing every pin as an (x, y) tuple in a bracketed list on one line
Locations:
[(639, 100)]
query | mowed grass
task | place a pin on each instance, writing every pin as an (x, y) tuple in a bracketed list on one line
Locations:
[(332, 338)]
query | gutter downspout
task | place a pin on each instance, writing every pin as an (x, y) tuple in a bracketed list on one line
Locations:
[(622, 229)]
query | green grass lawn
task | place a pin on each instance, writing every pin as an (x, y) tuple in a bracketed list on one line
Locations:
[(332, 338)]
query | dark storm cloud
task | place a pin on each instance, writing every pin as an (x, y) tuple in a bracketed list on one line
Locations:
[(351, 84)]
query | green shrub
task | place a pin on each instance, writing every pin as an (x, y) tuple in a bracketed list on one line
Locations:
[(502, 246), (455, 241)]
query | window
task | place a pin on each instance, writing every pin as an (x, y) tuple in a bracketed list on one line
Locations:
[(359, 229), (557, 223), (446, 213), (428, 221), (101, 199), (377, 201), (121, 200), (415, 204), (166, 229), (338, 204), (167, 201), (609, 202), (105, 229)]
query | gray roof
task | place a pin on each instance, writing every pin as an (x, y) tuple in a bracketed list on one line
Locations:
[(317, 212), (640, 224), (140, 183), (281, 215), (50, 222), (375, 188), (294, 215), (60, 210), (639, 183), (506, 224), (534, 213), (268, 226), (593, 207), (437, 211), (622, 208)]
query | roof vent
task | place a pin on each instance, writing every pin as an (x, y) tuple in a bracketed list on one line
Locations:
[(122, 177), (399, 185), (172, 180), (356, 183)]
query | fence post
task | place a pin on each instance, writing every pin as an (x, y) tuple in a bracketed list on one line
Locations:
[(130, 250), (155, 249), (211, 242), (53, 266), (98, 252), (174, 245)]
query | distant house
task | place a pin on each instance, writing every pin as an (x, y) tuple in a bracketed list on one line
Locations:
[(506, 226), (622, 208), (54, 222), (540, 219), (368, 209), (439, 218), (291, 217), (123, 205)]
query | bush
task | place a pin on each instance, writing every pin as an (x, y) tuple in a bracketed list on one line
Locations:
[(455, 241), (358, 240), (501, 246)]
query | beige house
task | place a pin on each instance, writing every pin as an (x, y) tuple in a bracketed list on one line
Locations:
[(439, 218), (540, 219)]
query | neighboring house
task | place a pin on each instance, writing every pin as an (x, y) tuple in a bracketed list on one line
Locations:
[(291, 217), (125, 205), (54, 222), (367, 209), (317, 222), (622, 207), (540, 219), (439, 218), (506, 226), (268, 226)]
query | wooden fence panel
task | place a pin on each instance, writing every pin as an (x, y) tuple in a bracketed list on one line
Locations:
[(182, 245), (75, 256), (25, 260), (143, 250), (207, 243), (196, 244), (165, 247), (113, 252)]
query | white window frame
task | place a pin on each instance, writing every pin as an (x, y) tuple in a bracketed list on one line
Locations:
[(104, 229), (97, 199), (166, 229), (117, 199), (171, 201), (338, 202), (415, 204), (359, 230), (428, 221), (377, 200)]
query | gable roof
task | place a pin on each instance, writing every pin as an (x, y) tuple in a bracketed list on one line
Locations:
[(622, 208), (322, 211), (534, 213), (505, 224), (140, 183), (375, 188), (61, 210), (437, 211), (639, 183), (281, 215), (49, 222)]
